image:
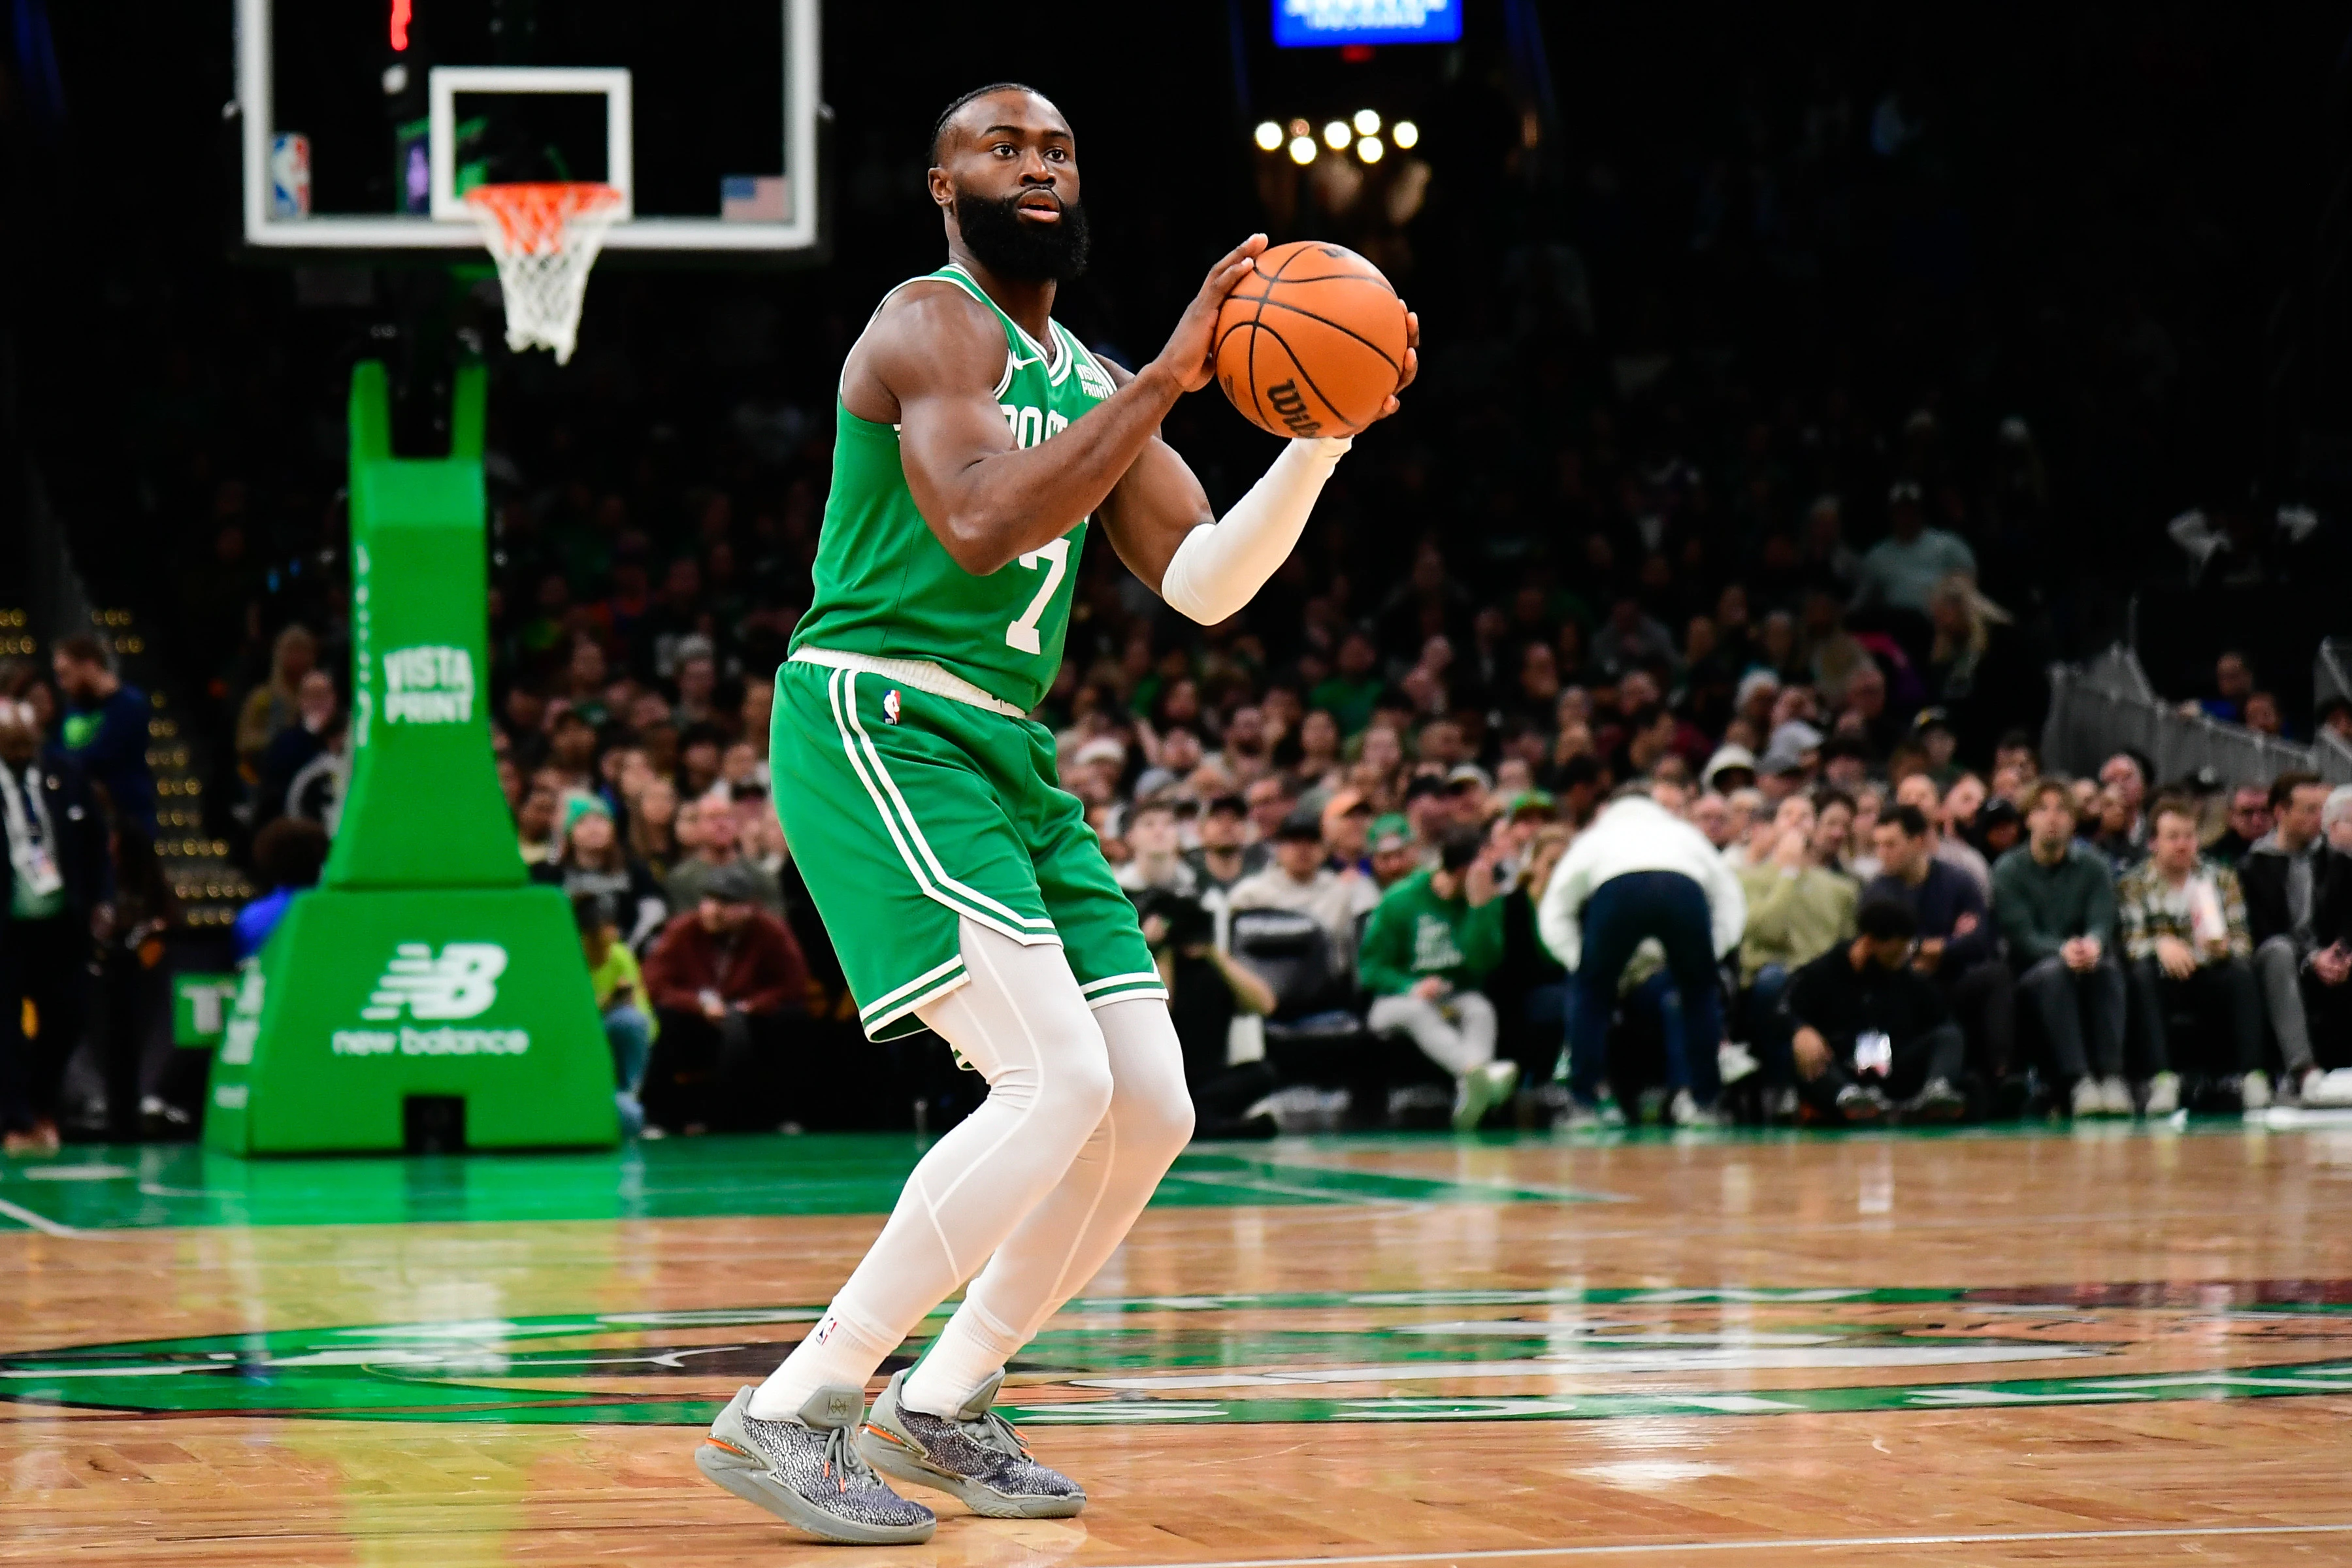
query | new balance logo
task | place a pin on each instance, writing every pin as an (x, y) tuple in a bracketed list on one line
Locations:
[(461, 984)]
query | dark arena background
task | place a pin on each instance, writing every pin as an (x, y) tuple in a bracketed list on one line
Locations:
[(1909, 448)]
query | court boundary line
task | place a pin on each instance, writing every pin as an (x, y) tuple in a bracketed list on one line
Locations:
[(1814, 1542), (33, 1220)]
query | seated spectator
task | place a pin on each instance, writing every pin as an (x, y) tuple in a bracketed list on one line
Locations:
[(288, 857), (2054, 901), (1917, 791), (1868, 1032), (2326, 995), (2126, 773), (2233, 682), (2263, 716), (653, 827), (292, 747), (1431, 938), (2184, 934), (716, 846), (1956, 949), (1797, 909), (723, 977), (1640, 872), (2000, 827), (2250, 823), (590, 860), (1299, 880), (271, 708), (2282, 874), (1394, 854), (1225, 855), (1207, 990), (1155, 859), (619, 987), (537, 821)]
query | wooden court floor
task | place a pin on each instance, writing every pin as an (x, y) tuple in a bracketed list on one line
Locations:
[(2115, 1346)]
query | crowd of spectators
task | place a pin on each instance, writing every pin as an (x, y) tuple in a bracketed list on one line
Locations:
[(1783, 413)]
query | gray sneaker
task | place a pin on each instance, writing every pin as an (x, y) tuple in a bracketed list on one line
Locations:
[(974, 1456), (808, 1472), (1939, 1101)]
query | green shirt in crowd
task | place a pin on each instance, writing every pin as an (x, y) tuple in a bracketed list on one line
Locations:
[(1414, 934), (1793, 917), (2041, 908)]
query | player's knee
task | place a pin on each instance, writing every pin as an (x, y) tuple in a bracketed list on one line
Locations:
[(1080, 1090), (1153, 1129)]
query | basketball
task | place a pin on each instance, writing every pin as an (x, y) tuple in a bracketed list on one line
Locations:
[(1312, 342)]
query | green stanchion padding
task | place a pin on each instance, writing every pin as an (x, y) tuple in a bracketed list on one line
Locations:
[(427, 963)]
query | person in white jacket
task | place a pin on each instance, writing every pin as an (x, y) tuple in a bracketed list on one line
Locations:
[(1640, 871)]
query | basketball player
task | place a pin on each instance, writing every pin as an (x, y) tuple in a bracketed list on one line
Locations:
[(962, 886)]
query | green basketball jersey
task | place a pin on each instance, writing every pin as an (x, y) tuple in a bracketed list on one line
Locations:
[(885, 585)]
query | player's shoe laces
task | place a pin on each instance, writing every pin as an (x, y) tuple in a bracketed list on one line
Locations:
[(974, 1456), (807, 1471)]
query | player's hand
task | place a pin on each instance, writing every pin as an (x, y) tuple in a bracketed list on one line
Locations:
[(1191, 355), (1411, 363)]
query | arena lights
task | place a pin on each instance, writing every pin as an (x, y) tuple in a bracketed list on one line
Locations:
[(1360, 132)]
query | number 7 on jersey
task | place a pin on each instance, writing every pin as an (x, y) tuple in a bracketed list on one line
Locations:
[(1055, 558)]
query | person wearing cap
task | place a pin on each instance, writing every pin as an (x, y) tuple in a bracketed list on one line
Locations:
[(1870, 1034), (1225, 855), (1469, 790), (1346, 819), (1789, 762), (1430, 809), (1396, 854), (1732, 767), (1640, 872), (590, 858), (1902, 571), (723, 978), (710, 826), (1299, 880), (1435, 935)]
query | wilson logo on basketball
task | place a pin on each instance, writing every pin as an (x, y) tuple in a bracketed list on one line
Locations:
[(1292, 407)]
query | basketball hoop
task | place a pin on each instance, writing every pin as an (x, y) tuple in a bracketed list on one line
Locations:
[(544, 238)]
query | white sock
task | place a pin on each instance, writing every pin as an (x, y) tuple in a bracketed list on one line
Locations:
[(838, 1350), (1020, 1021), (1068, 1237), (969, 1351)]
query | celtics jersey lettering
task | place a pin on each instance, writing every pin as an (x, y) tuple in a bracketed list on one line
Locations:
[(885, 585)]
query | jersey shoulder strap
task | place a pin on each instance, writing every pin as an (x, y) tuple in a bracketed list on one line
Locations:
[(1020, 348)]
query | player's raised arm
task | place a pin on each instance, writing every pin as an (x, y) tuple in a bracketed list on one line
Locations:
[(930, 365)]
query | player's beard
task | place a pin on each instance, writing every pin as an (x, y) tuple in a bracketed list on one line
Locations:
[(1011, 248)]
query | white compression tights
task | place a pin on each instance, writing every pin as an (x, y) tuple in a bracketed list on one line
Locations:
[(1086, 1110)]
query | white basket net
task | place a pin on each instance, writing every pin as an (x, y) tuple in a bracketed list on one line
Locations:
[(544, 238)]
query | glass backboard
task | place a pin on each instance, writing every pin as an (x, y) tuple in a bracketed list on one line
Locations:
[(364, 123)]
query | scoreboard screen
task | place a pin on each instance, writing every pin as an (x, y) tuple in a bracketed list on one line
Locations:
[(1322, 23)]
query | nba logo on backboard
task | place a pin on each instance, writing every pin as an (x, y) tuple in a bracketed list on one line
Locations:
[(289, 175)]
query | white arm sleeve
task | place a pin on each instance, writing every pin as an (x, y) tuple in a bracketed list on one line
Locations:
[(1220, 566)]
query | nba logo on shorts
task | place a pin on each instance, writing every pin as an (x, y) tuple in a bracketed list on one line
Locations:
[(890, 706)]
